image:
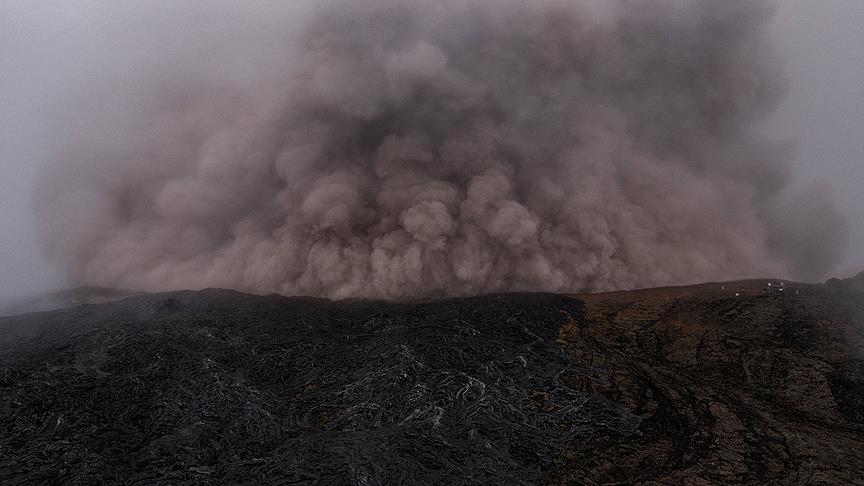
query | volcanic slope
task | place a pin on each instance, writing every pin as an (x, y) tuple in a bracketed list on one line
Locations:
[(709, 384)]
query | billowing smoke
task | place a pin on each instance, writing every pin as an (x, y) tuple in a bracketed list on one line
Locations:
[(417, 148)]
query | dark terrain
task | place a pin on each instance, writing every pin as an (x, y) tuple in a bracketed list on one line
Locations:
[(687, 385)]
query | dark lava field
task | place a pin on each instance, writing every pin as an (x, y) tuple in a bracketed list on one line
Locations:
[(708, 384)]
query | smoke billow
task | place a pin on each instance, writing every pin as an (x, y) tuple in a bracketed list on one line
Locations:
[(410, 148)]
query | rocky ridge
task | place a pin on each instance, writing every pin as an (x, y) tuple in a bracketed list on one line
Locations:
[(708, 384)]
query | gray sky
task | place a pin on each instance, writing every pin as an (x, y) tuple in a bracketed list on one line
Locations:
[(821, 43)]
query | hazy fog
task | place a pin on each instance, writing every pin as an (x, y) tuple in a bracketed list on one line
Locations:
[(52, 52), (824, 112)]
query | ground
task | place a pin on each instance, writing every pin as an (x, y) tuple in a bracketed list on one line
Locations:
[(709, 384)]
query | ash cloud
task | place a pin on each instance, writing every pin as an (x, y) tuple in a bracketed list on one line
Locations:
[(407, 149)]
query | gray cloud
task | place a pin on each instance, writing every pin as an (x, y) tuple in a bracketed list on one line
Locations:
[(824, 112), (397, 149)]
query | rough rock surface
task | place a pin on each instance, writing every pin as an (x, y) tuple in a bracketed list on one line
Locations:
[(689, 385), (755, 388)]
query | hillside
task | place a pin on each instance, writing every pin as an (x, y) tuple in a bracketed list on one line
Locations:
[(708, 384)]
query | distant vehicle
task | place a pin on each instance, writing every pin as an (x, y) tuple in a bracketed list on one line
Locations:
[(776, 286)]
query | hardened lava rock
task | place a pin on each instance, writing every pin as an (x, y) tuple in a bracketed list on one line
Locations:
[(733, 383), (219, 387)]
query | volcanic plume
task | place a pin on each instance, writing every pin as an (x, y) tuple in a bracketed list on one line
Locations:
[(409, 148)]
